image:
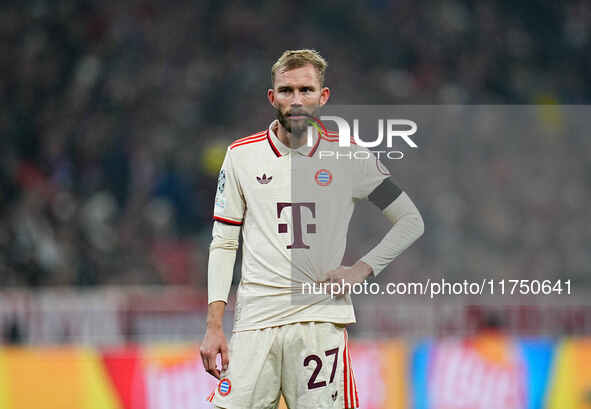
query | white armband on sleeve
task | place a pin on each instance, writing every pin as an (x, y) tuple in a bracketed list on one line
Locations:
[(408, 226), (222, 255)]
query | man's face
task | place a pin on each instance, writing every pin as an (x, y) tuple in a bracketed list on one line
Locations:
[(297, 95)]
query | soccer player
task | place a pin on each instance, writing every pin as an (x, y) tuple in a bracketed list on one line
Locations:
[(293, 209)]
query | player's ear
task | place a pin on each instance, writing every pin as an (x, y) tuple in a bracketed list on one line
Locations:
[(271, 96), (324, 95)]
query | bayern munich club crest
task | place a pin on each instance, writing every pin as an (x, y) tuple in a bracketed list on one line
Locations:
[(224, 387), (323, 177)]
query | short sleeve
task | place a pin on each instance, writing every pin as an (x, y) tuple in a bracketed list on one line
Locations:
[(229, 200), (370, 172)]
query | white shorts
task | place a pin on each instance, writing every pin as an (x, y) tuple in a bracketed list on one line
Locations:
[(308, 362)]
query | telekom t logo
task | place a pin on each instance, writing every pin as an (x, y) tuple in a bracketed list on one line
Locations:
[(296, 212), (402, 128)]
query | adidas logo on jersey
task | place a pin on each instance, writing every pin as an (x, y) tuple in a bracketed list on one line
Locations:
[(264, 180)]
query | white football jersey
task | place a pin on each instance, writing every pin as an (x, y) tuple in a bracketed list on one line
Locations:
[(294, 206)]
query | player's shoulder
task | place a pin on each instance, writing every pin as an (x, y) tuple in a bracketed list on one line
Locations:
[(247, 142), (331, 139)]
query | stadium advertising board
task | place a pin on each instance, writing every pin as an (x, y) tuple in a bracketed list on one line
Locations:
[(485, 372)]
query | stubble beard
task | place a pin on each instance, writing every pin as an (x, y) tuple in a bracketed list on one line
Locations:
[(297, 129)]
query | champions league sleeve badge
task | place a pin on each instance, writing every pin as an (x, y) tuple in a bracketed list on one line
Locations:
[(219, 196)]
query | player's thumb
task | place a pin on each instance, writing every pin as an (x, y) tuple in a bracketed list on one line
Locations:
[(225, 357)]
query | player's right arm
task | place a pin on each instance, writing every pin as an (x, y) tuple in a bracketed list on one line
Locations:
[(228, 214), (214, 342), (222, 255)]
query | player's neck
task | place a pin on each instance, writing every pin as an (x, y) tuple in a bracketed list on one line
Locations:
[(293, 141)]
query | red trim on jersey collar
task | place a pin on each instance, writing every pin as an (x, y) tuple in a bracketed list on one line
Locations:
[(275, 150), (278, 153), (313, 150)]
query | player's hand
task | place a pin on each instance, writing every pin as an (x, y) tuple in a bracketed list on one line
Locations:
[(339, 277), (214, 343)]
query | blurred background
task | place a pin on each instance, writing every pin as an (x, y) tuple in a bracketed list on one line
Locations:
[(114, 122)]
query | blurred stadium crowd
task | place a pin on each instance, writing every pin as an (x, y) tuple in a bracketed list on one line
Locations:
[(115, 117)]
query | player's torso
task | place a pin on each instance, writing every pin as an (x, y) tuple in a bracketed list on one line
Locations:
[(297, 214)]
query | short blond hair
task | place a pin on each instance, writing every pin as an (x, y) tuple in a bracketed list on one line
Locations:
[(292, 59)]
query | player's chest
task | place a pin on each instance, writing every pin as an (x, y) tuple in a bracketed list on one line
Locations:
[(295, 178)]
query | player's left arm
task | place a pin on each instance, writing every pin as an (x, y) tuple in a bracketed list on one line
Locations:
[(375, 184), (407, 227)]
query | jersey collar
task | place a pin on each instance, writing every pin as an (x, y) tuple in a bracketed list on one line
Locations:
[(280, 149)]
